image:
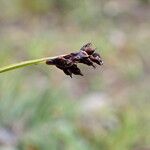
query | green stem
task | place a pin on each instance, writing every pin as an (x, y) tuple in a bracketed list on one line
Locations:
[(25, 63)]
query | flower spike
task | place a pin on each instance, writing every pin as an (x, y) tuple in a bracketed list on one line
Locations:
[(68, 63)]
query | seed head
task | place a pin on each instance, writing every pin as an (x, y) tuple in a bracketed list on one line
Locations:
[(68, 63)]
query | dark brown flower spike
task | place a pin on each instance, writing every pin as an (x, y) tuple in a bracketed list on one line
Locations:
[(68, 63)]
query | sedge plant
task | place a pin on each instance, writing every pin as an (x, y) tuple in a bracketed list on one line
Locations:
[(67, 63)]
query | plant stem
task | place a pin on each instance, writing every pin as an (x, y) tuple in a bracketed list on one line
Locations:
[(25, 63)]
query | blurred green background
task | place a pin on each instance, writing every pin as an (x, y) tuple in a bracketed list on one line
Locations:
[(108, 108)]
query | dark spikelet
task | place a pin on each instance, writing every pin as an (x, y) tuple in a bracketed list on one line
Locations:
[(68, 63), (62, 62), (71, 70), (75, 57), (67, 72), (75, 70), (95, 57), (88, 49), (87, 61)]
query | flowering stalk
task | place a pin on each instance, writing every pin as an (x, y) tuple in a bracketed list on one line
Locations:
[(66, 63), (25, 63)]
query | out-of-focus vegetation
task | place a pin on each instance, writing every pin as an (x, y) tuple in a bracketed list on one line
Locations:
[(108, 108)]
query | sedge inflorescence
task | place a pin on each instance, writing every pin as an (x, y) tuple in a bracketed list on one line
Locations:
[(68, 63)]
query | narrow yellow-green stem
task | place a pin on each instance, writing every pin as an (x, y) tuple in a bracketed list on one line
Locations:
[(25, 63)]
